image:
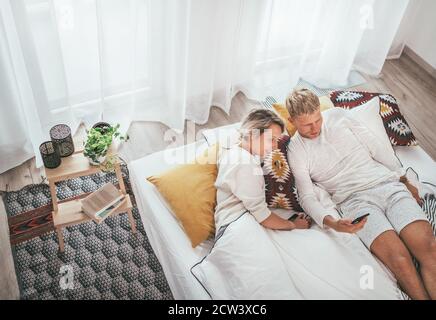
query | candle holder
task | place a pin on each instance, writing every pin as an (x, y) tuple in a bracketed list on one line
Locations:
[(60, 134), (50, 154)]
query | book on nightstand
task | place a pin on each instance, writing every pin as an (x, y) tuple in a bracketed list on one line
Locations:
[(103, 202)]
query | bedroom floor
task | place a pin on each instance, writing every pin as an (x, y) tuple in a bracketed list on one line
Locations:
[(414, 89)]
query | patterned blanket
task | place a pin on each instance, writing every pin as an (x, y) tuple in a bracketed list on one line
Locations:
[(427, 192)]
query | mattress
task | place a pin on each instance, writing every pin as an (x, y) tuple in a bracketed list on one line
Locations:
[(167, 238)]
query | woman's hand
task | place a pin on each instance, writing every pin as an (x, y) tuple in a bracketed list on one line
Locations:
[(303, 221), (275, 222)]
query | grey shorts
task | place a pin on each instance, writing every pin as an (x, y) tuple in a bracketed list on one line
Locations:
[(391, 207)]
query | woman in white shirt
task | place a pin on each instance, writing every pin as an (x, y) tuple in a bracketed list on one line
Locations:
[(240, 183), (322, 264)]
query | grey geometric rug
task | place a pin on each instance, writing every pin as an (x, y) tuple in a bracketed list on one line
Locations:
[(105, 261)]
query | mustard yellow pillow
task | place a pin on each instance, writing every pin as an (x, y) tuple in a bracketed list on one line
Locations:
[(283, 113), (280, 109), (190, 192)]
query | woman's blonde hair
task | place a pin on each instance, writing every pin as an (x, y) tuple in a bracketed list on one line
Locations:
[(302, 101), (259, 120)]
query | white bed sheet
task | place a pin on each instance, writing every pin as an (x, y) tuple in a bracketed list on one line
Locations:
[(416, 158), (167, 238)]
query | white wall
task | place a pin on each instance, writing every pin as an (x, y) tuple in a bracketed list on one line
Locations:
[(418, 31), (422, 36)]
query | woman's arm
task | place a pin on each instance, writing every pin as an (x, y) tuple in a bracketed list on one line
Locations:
[(277, 223), (245, 180)]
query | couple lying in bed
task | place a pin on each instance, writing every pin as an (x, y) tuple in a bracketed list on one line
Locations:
[(344, 159)]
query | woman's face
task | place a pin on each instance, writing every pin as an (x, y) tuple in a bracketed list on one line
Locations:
[(263, 144)]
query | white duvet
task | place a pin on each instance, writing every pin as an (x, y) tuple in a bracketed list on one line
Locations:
[(251, 262)]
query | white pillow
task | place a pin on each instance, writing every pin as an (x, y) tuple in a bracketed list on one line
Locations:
[(244, 264), (369, 115), (225, 135)]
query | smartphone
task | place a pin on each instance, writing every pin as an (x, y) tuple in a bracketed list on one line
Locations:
[(357, 220), (293, 217)]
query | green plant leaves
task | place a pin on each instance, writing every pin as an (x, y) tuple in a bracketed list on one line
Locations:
[(98, 141)]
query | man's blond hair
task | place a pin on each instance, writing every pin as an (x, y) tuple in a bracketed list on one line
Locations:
[(302, 101)]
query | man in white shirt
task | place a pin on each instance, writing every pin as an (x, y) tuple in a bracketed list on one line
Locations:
[(343, 157)]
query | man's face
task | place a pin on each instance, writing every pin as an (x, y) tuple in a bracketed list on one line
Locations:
[(308, 125)]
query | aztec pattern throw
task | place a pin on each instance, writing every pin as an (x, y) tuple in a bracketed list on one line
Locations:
[(280, 189), (395, 124)]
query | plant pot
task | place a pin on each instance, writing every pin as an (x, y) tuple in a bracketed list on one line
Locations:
[(99, 161), (101, 125)]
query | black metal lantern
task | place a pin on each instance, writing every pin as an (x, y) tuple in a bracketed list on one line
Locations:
[(50, 154), (60, 134)]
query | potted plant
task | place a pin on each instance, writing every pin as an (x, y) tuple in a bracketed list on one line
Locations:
[(99, 140), (102, 125)]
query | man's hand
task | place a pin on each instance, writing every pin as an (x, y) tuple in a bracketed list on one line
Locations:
[(413, 190), (344, 225)]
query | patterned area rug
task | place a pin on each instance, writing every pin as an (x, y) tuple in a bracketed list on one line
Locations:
[(105, 261)]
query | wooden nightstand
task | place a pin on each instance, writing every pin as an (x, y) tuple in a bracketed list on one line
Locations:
[(70, 213)]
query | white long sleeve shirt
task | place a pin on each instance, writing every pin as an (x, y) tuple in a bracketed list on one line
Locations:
[(345, 158), (240, 187)]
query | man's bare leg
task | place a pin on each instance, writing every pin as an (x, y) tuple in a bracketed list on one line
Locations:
[(419, 238), (391, 250)]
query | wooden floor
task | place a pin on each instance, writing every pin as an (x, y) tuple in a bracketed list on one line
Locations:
[(414, 89)]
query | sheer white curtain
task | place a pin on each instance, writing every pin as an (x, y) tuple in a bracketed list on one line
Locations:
[(20, 126), (73, 61), (321, 41)]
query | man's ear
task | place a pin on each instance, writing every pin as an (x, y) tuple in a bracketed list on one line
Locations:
[(290, 120)]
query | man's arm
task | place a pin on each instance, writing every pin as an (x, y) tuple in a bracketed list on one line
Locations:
[(298, 161), (413, 190), (308, 200)]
